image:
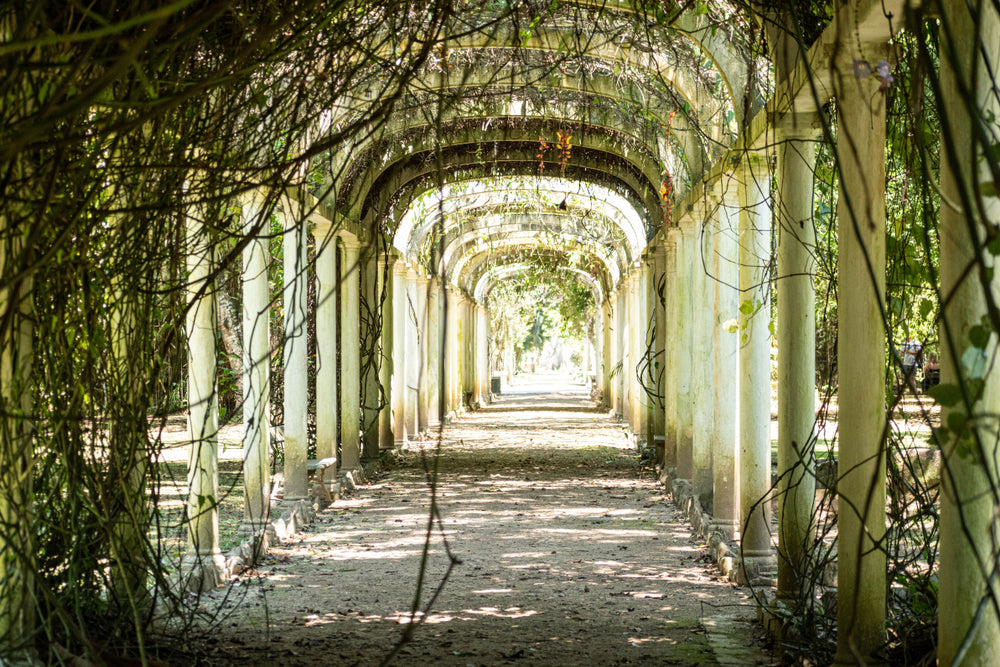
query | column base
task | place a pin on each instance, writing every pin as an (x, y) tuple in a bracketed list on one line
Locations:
[(203, 572), (293, 516), (730, 529), (756, 569), (349, 479), (257, 537)]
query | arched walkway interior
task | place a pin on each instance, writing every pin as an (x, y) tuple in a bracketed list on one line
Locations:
[(665, 161)]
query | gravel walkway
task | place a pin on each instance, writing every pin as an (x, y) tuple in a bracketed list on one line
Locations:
[(553, 547)]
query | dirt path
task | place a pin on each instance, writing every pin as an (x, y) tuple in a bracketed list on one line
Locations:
[(566, 553)]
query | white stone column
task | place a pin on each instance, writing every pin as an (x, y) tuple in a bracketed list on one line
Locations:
[(327, 404), (639, 327), (372, 282), (296, 379), (607, 352), (468, 350), (461, 350), (703, 323), (256, 377), (861, 561), (452, 384), (400, 316), (435, 354), (350, 357), (671, 378), (795, 331), (127, 455), (628, 352), (969, 519), (755, 368), (423, 341), (655, 305), (387, 438), (725, 445), (482, 354), (203, 565), (459, 340), (621, 340), (610, 334), (412, 353), (684, 352)]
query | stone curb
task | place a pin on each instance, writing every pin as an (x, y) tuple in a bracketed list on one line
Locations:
[(725, 556), (293, 517)]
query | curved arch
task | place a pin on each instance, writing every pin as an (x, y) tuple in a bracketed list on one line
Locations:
[(497, 273), (612, 42), (467, 245), (597, 80), (477, 259), (481, 200), (404, 187), (471, 137), (716, 39)]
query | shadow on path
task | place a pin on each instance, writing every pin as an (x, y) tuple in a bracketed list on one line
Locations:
[(568, 554)]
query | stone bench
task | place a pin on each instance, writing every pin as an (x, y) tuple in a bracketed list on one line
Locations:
[(317, 469)]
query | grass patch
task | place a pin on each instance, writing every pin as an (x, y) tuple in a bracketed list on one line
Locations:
[(173, 496)]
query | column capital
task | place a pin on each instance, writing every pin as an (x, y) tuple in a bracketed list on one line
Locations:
[(400, 267), (755, 158), (349, 240), (807, 126), (754, 167), (254, 198), (686, 224), (726, 190)]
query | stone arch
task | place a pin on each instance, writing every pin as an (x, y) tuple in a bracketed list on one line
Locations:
[(488, 279), (609, 218)]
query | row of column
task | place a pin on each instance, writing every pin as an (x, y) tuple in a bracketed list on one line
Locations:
[(430, 360), (700, 298), (714, 312)]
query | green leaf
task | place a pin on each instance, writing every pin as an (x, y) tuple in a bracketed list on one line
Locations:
[(994, 151), (926, 307), (994, 245), (946, 395), (979, 336), (956, 421)]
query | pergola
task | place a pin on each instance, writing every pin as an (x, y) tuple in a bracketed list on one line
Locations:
[(656, 159)]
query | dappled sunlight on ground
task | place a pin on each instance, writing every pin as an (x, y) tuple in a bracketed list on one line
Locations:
[(567, 553)]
